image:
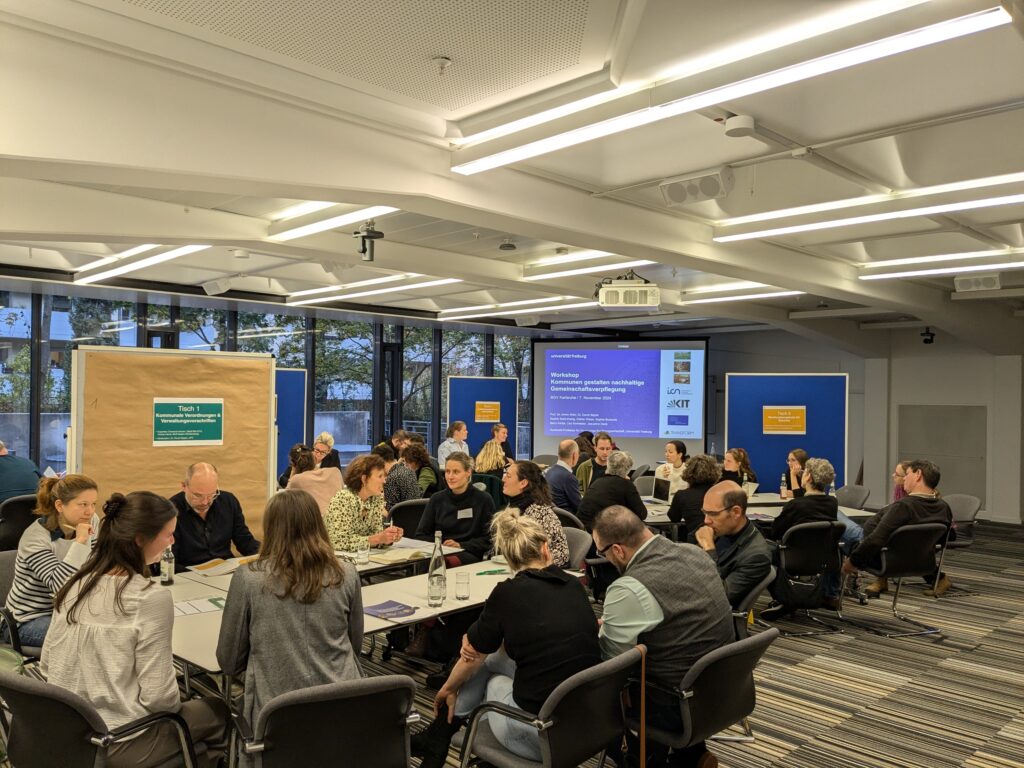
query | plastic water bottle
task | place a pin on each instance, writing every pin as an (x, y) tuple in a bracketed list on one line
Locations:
[(437, 579), (782, 485), (167, 567)]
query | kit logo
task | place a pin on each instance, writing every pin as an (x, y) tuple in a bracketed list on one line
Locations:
[(677, 404)]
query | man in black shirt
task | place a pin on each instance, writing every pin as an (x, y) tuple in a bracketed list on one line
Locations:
[(209, 520), (921, 505)]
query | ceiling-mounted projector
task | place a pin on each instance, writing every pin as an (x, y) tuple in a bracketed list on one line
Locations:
[(628, 294)]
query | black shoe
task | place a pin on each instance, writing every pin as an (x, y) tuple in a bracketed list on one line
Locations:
[(776, 611), (433, 741)]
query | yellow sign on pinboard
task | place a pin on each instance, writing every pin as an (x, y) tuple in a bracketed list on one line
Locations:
[(487, 411), (784, 419)]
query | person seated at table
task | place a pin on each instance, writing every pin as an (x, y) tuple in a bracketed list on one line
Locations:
[(740, 552), (209, 520), (612, 487), (499, 434), (322, 484), (536, 630), (585, 441), (455, 441), (400, 482), (675, 464), (591, 469), (397, 441), (561, 477), (18, 475), (110, 640), (736, 467), (492, 460), (921, 505), (50, 551), (878, 586), (355, 516), (325, 453), (796, 460), (297, 589), (461, 513), (815, 505), (527, 490), (416, 458), (701, 472)]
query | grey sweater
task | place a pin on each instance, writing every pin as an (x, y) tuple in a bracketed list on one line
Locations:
[(284, 645)]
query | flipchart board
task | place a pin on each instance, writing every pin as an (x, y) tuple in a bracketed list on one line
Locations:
[(482, 402), (141, 416), (770, 414)]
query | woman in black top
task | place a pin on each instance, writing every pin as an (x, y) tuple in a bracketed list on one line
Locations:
[(736, 466), (536, 630), (795, 463), (701, 472), (461, 512), (613, 487), (814, 505)]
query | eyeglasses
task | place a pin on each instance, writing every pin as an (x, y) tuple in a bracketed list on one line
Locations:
[(319, 451), (201, 497), (605, 549), (714, 512)]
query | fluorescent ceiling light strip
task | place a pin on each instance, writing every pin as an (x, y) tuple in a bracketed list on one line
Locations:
[(820, 25), (300, 209), (358, 284), (853, 202), (742, 285), (589, 270), (747, 297), (334, 222), (580, 305), (909, 213), (941, 257), (117, 256), (504, 304), (141, 264), (377, 292), (833, 62), (568, 258), (118, 329), (945, 271)]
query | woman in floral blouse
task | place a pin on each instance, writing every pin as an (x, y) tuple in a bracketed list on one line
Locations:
[(527, 490), (355, 516)]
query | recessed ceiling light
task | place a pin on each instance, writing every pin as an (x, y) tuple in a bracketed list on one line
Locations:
[(358, 284), (334, 222), (300, 209), (939, 258), (149, 261), (117, 257), (376, 292), (589, 270), (747, 297), (569, 258), (503, 304), (531, 310), (945, 271)]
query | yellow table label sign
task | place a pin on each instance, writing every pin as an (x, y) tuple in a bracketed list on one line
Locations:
[(487, 411), (784, 419)]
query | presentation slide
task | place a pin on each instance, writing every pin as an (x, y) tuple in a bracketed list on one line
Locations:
[(642, 393)]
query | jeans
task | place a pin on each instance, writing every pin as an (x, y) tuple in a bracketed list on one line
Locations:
[(32, 632), (851, 538), (493, 682)]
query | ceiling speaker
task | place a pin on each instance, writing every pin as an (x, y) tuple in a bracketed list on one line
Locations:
[(989, 282), (695, 187), (524, 320)]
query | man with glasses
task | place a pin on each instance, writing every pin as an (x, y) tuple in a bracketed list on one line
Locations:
[(670, 598), (209, 520), (738, 549)]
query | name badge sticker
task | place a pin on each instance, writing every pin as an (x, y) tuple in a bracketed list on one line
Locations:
[(465, 514)]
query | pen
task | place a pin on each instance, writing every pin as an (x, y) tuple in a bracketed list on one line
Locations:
[(491, 572)]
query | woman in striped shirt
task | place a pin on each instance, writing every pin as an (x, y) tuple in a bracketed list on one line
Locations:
[(50, 551)]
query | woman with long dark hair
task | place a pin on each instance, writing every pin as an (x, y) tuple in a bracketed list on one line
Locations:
[(294, 618), (110, 639), (527, 490)]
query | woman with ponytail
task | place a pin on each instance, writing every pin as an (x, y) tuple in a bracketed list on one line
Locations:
[(536, 630), (50, 551), (110, 638)]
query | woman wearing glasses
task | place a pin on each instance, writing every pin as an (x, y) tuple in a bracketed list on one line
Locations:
[(325, 453), (209, 520)]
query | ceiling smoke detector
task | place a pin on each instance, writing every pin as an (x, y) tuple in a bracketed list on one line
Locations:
[(507, 245)]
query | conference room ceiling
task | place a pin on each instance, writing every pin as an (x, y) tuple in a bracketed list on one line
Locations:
[(174, 123)]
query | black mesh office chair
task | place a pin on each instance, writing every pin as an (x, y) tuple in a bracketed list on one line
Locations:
[(406, 514), (808, 555)]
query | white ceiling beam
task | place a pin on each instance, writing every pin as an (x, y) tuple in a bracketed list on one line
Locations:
[(815, 314), (892, 325)]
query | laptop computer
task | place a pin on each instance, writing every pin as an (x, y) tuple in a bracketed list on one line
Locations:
[(660, 493)]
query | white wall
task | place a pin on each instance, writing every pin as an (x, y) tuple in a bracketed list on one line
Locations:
[(949, 372), (782, 352)]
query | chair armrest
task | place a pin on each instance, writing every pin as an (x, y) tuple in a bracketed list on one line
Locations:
[(520, 715), (137, 726), (595, 561), (249, 743), (6, 617)]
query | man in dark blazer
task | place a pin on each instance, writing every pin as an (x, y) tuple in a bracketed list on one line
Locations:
[(565, 488), (732, 541)]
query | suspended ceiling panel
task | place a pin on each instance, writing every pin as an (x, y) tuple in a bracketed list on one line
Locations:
[(499, 50)]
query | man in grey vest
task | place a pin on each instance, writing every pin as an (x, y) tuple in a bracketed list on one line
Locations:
[(670, 598)]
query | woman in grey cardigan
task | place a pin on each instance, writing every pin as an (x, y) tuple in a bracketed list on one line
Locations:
[(294, 618)]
